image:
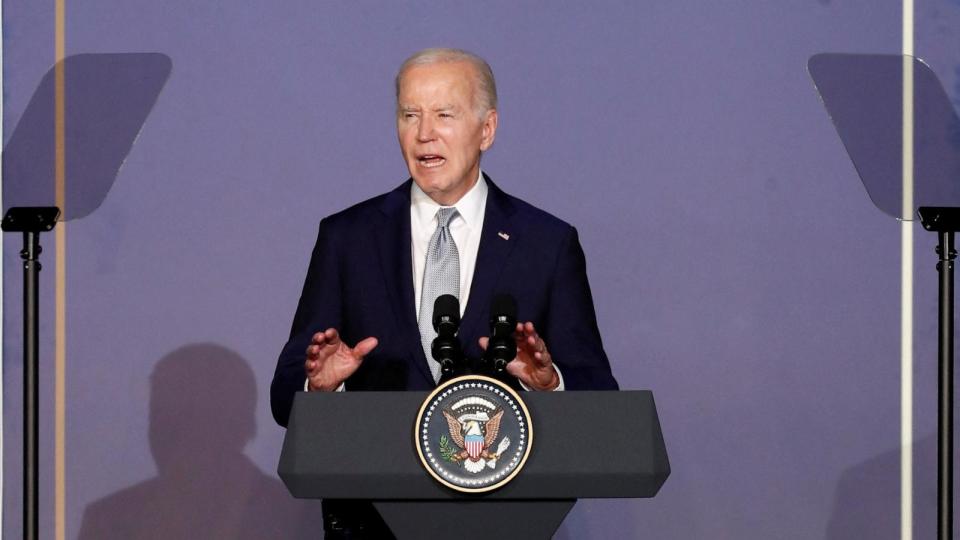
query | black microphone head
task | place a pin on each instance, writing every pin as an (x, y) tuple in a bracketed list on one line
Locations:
[(503, 309), (446, 310), (502, 347)]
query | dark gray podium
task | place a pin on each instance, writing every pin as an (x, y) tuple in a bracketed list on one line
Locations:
[(359, 445)]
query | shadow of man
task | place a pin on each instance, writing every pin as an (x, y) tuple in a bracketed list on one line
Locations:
[(202, 400)]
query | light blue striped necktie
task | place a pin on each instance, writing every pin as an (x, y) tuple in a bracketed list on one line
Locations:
[(441, 275)]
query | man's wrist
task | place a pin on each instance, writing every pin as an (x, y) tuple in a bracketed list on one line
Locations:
[(307, 387), (558, 382)]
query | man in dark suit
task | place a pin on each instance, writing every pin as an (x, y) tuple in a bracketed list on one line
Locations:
[(371, 281)]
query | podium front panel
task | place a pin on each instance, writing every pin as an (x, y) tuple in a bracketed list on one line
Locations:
[(585, 444)]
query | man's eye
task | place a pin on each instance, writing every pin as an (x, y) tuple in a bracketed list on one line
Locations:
[(446, 115)]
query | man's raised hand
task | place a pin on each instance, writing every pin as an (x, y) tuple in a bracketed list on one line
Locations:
[(533, 364), (330, 361)]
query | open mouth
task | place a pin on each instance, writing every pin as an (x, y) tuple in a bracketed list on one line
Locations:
[(430, 160)]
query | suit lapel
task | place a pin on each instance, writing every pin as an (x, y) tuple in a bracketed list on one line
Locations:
[(393, 242), (494, 250)]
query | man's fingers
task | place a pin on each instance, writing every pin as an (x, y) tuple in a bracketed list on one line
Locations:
[(318, 350), (326, 337), (484, 341), (333, 337), (331, 362), (532, 342), (525, 329), (515, 368), (534, 346), (364, 347)]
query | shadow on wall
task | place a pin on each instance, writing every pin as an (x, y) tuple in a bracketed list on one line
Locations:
[(867, 499), (202, 402)]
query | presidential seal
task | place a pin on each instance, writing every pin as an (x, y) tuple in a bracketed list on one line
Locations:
[(473, 434)]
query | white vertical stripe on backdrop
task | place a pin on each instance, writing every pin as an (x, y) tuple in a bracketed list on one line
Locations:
[(906, 284)]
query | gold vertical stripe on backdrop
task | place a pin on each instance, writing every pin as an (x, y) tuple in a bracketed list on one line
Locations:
[(60, 332)]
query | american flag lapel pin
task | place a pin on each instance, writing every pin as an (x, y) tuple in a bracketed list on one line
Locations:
[(503, 235)]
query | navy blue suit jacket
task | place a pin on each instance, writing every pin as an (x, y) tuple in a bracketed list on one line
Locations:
[(360, 281)]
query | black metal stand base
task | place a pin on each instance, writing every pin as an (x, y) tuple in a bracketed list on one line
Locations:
[(31, 387), (31, 221), (945, 222)]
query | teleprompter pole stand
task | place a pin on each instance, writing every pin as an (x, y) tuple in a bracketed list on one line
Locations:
[(945, 221), (31, 221)]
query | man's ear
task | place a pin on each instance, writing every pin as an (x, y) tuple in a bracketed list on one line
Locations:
[(489, 130)]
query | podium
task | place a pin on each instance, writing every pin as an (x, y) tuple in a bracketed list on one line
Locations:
[(360, 445)]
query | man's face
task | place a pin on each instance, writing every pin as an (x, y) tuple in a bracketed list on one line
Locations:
[(441, 134)]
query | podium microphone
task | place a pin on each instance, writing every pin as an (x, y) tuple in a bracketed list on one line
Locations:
[(502, 347), (445, 348)]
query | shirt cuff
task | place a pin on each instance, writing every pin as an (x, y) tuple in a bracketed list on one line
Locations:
[(342, 388), (559, 387)]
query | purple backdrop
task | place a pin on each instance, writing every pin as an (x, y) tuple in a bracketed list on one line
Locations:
[(738, 267)]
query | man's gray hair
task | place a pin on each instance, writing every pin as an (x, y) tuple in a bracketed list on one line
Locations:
[(486, 98)]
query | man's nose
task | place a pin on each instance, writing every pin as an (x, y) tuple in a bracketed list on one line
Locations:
[(425, 129)]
